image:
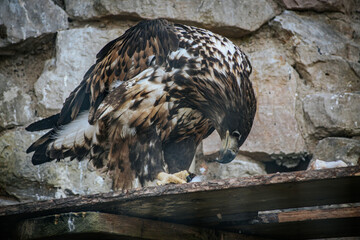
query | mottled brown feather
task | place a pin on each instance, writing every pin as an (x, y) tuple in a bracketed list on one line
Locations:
[(153, 94)]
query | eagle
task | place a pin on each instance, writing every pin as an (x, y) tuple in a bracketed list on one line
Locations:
[(152, 96)]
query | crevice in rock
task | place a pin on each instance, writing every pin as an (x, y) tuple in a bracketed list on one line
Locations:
[(274, 167), (3, 31), (9, 127), (303, 74), (281, 162), (30, 45), (322, 132), (60, 3)]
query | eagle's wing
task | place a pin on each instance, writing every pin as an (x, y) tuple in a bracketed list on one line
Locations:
[(146, 44), (121, 59)]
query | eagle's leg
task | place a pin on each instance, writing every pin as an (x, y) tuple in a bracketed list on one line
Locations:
[(177, 178)]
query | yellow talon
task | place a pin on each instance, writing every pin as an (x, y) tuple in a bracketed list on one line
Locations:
[(177, 178)]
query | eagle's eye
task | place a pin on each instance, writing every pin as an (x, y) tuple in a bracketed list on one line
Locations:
[(236, 134)]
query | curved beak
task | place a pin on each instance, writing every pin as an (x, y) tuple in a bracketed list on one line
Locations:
[(229, 149)]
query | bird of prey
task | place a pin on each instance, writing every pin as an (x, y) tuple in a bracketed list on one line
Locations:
[(151, 97)]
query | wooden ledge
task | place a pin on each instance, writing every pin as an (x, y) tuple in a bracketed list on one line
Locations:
[(95, 225), (221, 204)]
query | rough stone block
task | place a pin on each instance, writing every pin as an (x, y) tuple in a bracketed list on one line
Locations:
[(15, 104), (17, 76), (319, 5), (319, 164), (332, 114), (241, 166), (24, 181), (314, 34), (20, 20), (275, 129), (325, 59), (336, 148), (75, 53), (232, 18), (332, 75)]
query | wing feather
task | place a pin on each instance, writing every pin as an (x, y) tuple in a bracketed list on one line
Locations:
[(118, 61)]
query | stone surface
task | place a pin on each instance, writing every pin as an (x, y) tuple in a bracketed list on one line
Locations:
[(275, 129), (345, 24), (315, 33), (20, 20), (333, 75), (17, 75), (241, 166), (22, 181), (15, 105), (319, 164), (332, 114), (211, 144), (319, 5), (232, 18), (75, 53), (325, 59), (335, 148)]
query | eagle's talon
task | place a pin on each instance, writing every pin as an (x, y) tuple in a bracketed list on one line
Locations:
[(183, 174), (177, 178)]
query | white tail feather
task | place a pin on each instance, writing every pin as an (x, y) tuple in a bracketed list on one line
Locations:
[(74, 133)]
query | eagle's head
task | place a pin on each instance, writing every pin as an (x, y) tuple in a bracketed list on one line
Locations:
[(233, 130), (229, 102)]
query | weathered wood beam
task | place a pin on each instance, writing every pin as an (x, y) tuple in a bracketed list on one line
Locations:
[(211, 203), (318, 214), (95, 225), (312, 229), (198, 200), (333, 221)]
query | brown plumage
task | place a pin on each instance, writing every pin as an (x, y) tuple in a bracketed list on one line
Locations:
[(151, 97)]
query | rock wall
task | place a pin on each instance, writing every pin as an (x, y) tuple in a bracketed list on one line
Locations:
[(306, 74)]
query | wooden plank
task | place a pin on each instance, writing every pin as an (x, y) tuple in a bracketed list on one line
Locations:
[(299, 224), (209, 203), (95, 225), (266, 192), (318, 214), (316, 229)]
